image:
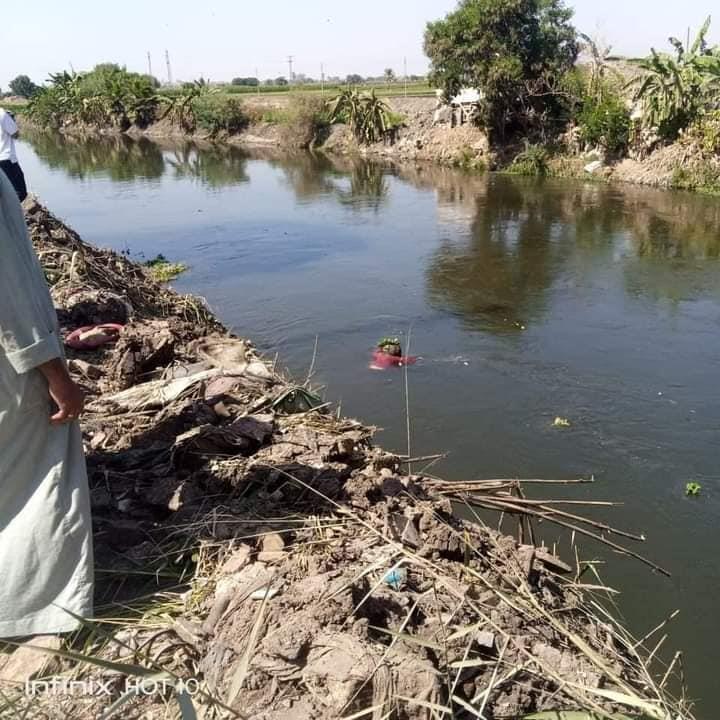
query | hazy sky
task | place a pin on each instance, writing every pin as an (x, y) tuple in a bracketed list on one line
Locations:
[(221, 39)]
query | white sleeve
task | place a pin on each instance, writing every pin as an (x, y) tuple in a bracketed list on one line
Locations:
[(28, 337), (8, 124)]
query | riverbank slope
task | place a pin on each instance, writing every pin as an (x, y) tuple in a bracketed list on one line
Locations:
[(258, 551)]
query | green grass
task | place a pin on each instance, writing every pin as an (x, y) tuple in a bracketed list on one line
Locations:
[(14, 106), (396, 89)]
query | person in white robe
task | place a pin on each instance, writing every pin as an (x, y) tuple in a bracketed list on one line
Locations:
[(46, 562)]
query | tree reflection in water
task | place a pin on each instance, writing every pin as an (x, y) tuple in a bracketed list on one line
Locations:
[(214, 166), (518, 236), (496, 277), (355, 183), (118, 157)]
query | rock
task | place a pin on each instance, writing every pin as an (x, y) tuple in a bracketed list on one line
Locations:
[(593, 167), (551, 561), (273, 548), (271, 556), (272, 542), (26, 662), (142, 348), (93, 372), (337, 665), (405, 530), (96, 307), (259, 370), (549, 656), (443, 115), (237, 561), (188, 631), (266, 593), (485, 640)]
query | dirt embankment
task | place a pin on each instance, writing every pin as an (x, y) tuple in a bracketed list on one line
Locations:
[(259, 556), (421, 138), (418, 138)]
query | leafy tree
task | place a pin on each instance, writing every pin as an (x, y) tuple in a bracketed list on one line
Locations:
[(604, 121), (354, 79), (281, 81), (23, 86), (514, 51), (245, 81), (389, 75), (677, 88)]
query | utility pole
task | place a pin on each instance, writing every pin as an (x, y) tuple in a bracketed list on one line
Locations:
[(169, 69), (322, 78), (405, 72), (149, 64), (257, 77), (290, 73)]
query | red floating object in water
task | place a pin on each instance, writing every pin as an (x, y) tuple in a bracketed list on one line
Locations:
[(382, 360)]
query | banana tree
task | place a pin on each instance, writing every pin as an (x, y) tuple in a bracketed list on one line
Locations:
[(675, 89), (366, 114)]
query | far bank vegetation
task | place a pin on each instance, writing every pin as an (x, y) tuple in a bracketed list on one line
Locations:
[(547, 93), (111, 98)]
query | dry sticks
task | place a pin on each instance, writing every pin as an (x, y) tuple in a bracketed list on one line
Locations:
[(502, 496)]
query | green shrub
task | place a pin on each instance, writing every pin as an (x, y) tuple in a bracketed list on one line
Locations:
[(217, 115), (533, 161), (605, 122), (306, 118)]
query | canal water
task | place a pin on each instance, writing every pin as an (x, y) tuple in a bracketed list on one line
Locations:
[(525, 299)]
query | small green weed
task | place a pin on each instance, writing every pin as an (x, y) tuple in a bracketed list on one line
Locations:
[(693, 489), (162, 270)]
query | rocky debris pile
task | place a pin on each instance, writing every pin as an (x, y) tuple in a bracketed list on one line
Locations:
[(92, 285), (419, 137), (273, 564)]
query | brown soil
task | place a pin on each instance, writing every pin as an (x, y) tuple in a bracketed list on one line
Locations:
[(270, 551)]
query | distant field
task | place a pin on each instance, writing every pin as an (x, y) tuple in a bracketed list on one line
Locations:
[(382, 89)]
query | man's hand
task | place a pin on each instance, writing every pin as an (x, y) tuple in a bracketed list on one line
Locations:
[(66, 393)]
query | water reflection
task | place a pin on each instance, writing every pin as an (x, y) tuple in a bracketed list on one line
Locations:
[(501, 234), (496, 277), (509, 240), (118, 157), (213, 166), (355, 183)]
